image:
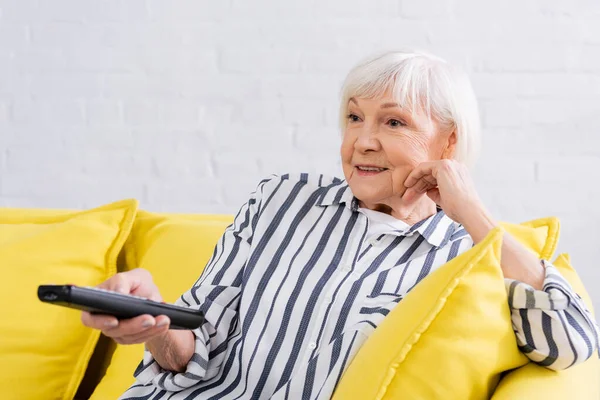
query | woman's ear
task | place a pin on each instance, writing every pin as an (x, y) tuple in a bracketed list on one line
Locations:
[(450, 147)]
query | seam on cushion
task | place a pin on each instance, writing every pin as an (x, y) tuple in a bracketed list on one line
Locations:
[(426, 322), (119, 241), (131, 259), (82, 362), (553, 225), (50, 219), (553, 236)]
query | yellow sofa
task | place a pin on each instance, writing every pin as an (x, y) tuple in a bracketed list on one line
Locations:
[(175, 248)]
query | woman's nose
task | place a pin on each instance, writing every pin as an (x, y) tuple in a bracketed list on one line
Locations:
[(368, 139)]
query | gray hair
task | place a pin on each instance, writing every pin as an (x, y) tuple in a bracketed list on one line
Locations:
[(420, 82)]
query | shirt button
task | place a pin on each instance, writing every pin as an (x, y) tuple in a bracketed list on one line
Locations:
[(346, 268), (312, 345), (327, 299), (373, 242)]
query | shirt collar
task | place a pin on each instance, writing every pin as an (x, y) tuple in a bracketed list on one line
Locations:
[(338, 193), (436, 229)]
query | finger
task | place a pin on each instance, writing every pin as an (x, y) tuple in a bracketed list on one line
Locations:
[(132, 326), (126, 282), (411, 195), (146, 335), (424, 184), (118, 283), (98, 321), (425, 168), (434, 194)]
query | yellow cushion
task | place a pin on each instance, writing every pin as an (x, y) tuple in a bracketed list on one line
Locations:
[(449, 338), (45, 348), (581, 382), (175, 249), (444, 329)]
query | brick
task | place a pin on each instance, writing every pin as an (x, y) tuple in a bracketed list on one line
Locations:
[(61, 11), (559, 86), (556, 111), (39, 59), (100, 59), (76, 12), (186, 194), (318, 142), (56, 34), (494, 169), (13, 37), (590, 58), (542, 141), (115, 137), (101, 113), (188, 11), (48, 111), (169, 86), (339, 61), (59, 84), (19, 11), (20, 135), (280, 163), (179, 58), (236, 163), (569, 170), (505, 113), (261, 112), (4, 113), (524, 57), (304, 112), (141, 113), (490, 86), (427, 9), (258, 60), (354, 8), (127, 12), (31, 158), (590, 30), (125, 85), (240, 138), (273, 10), (185, 162), (99, 161), (157, 113)]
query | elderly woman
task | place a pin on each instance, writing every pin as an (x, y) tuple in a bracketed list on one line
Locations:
[(285, 288)]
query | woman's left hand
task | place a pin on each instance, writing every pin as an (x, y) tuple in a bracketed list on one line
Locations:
[(448, 183)]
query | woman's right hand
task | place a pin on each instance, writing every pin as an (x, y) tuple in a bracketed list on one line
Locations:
[(137, 282)]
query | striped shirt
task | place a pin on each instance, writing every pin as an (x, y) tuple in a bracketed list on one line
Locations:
[(298, 282)]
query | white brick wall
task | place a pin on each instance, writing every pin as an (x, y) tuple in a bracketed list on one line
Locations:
[(185, 105)]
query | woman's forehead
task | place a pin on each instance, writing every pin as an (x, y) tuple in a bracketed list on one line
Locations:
[(386, 100)]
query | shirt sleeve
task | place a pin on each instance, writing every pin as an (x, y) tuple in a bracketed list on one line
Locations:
[(216, 293), (553, 326)]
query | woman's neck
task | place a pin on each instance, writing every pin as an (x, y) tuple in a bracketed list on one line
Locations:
[(412, 214)]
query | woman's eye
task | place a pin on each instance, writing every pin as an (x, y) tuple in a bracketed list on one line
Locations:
[(353, 118), (394, 123)]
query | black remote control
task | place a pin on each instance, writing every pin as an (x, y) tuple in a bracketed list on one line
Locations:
[(122, 306)]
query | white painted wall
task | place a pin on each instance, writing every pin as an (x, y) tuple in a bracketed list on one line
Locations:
[(185, 105)]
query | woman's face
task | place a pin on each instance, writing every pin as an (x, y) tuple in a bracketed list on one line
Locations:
[(382, 144)]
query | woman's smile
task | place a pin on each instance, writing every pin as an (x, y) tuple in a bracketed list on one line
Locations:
[(369, 170)]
